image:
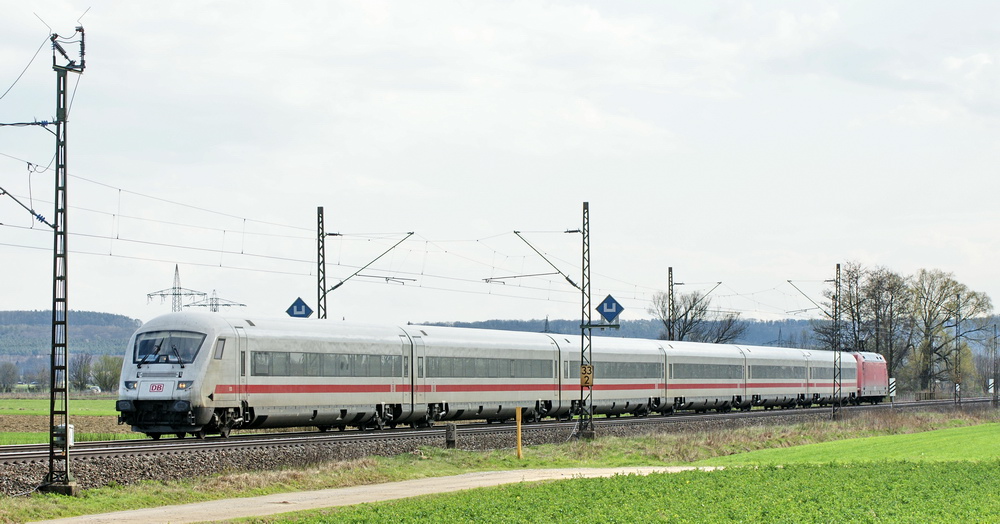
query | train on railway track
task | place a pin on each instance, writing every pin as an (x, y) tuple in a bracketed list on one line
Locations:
[(206, 373)]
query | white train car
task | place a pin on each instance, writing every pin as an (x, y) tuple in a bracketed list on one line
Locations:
[(776, 377), (706, 376), (480, 374), (195, 372), (628, 375)]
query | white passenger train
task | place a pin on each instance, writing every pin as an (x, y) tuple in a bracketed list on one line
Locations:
[(199, 373)]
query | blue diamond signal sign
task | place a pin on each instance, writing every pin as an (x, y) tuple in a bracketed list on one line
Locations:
[(299, 309), (610, 309)]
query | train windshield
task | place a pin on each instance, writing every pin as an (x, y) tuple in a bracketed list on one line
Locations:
[(167, 347)]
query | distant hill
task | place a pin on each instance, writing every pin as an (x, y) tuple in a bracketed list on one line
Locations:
[(29, 333)]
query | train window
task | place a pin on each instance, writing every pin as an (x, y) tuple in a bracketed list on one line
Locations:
[(846, 372), (261, 363), (296, 364), (279, 364), (420, 367), (243, 363), (220, 346), (682, 370), (314, 364), (627, 370), (359, 366), (175, 347), (467, 367), (823, 372), (778, 371), (329, 365), (406, 367)]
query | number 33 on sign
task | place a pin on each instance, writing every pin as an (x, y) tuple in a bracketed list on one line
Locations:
[(586, 375)]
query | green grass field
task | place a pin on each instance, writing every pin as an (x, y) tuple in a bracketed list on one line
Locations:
[(975, 443), (103, 406)]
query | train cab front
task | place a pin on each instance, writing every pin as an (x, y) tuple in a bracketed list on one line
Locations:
[(159, 383)]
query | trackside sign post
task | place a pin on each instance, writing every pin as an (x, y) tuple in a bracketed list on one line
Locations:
[(299, 309), (610, 309)]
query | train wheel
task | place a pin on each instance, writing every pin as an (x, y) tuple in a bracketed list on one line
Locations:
[(154, 436), (200, 434), (224, 431), (181, 435)]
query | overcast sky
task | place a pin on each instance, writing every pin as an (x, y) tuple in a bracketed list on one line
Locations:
[(750, 143)]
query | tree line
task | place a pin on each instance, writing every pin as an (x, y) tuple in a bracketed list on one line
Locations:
[(934, 332), (85, 370)]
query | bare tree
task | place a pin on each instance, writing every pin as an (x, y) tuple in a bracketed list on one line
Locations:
[(948, 315), (106, 372), (691, 320), (854, 307), (79, 370), (889, 304), (9, 376), (726, 329)]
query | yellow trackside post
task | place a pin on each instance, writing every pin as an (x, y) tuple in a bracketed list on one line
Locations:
[(517, 417)]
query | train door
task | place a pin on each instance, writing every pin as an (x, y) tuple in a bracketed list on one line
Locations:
[(419, 376), (745, 399), (664, 374), (243, 369), (405, 389)]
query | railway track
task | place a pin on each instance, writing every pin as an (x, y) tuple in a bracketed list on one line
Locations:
[(87, 450)]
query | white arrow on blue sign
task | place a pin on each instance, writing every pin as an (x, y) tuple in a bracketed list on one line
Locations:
[(299, 309), (610, 309)]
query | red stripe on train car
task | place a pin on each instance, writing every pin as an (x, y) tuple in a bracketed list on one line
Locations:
[(454, 388), (614, 387), (705, 386), (405, 388), (304, 388)]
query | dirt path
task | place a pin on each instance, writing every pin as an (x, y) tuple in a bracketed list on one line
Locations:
[(221, 510)]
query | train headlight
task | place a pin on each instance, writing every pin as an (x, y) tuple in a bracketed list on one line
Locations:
[(124, 405), (181, 406), (184, 385), (131, 384)]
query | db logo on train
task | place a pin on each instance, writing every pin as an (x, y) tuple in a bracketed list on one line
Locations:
[(156, 388)]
